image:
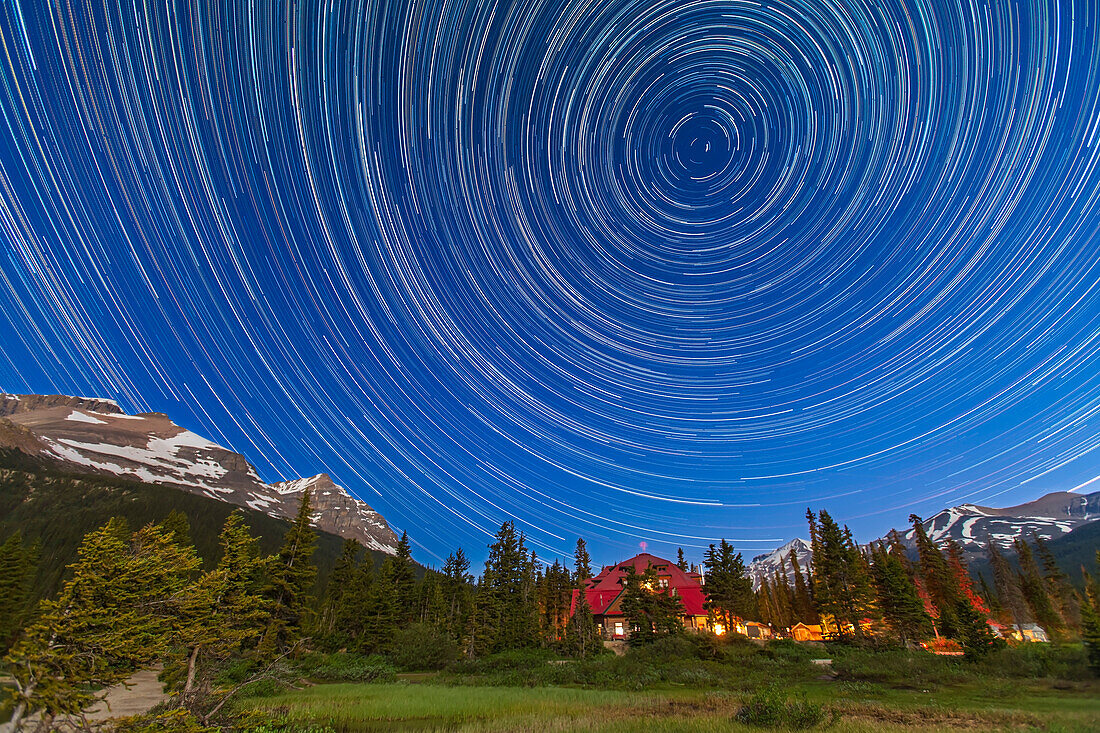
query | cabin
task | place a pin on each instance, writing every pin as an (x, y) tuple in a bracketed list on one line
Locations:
[(755, 630), (807, 632), (604, 593)]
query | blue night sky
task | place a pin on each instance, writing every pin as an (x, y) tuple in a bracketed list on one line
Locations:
[(636, 271)]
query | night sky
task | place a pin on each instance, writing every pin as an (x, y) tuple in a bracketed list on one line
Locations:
[(635, 271)]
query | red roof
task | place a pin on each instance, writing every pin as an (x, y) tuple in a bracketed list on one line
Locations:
[(604, 590)]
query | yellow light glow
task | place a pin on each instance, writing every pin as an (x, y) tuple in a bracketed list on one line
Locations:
[(719, 629)]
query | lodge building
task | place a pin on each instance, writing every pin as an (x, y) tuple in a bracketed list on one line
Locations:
[(604, 594)]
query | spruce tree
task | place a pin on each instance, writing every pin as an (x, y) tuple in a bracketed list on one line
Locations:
[(901, 605), (582, 563), (382, 618), (113, 616), (18, 565), (938, 579), (1034, 590), (729, 589), (457, 591), (1007, 586), (291, 582), (651, 611), (507, 593), (404, 581), (680, 561), (803, 604), (1062, 595), (582, 634), (842, 586), (340, 581), (223, 614)]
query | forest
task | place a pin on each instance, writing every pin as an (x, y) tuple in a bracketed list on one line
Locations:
[(222, 627)]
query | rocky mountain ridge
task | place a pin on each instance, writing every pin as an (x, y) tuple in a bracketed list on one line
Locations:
[(89, 435)]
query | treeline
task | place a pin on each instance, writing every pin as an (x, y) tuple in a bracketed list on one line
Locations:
[(880, 590), (135, 598)]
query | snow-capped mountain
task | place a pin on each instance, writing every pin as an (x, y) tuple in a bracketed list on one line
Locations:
[(1048, 517), (95, 435), (970, 525), (766, 565)]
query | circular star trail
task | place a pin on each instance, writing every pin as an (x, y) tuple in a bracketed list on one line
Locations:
[(635, 271)]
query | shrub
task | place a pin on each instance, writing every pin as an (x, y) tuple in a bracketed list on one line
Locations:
[(352, 668), (169, 721), (422, 647), (769, 708)]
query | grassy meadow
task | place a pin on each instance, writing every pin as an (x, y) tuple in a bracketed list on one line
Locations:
[(688, 687)]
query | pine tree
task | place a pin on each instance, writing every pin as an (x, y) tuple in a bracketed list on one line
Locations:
[(291, 581), (1034, 590), (112, 617), (901, 605), (179, 526), (680, 561), (729, 589), (382, 618), (582, 563), (973, 632)]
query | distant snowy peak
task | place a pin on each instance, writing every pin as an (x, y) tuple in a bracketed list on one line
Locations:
[(778, 560), (1049, 516), (95, 435)]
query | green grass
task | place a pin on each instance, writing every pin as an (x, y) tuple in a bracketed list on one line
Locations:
[(692, 685), (429, 707)]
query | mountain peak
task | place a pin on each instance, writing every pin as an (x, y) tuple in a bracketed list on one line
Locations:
[(95, 435)]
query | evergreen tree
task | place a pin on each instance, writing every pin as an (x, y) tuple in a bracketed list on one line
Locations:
[(582, 634), (842, 586), (729, 589), (1061, 593), (784, 598), (456, 591), (963, 583), (650, 610), (507, 593), (291, 581), (222, 614), (179, 526), (382, 618), (901, 605), (1007, 585), (112, 617), (1034, 590), (680, 561), (803, 604), (582, 563), (557, 589), (938, 579), (340, 581), (404, 581), (993, 601), (973, 632), (1090, 634), (18, 565)]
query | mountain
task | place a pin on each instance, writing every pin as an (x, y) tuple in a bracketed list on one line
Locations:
[(89, 435), (1051, 517), (766, 565)]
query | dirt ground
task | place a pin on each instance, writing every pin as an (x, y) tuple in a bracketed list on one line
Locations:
[(141, 692)]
